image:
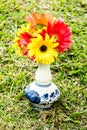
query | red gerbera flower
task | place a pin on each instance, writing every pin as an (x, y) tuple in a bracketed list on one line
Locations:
[(23, 41), (62, 32)]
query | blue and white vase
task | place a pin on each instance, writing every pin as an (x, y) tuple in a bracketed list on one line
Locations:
[(42, 93)]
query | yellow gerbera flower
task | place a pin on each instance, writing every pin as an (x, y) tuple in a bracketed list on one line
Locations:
[(26, 28), (44, 50)]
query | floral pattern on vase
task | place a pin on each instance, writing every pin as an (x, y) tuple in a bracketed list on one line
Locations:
[(42, 96)]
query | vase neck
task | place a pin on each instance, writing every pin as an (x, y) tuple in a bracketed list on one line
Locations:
[(43, 74)]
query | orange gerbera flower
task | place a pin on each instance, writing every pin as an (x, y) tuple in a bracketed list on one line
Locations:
[(42, 20)]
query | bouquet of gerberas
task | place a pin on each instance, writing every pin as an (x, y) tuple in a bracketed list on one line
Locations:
[(43, 38)]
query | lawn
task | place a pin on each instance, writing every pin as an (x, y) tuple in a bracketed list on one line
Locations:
[(69, 72)]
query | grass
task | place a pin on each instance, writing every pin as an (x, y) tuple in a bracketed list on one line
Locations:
[(69, 72)]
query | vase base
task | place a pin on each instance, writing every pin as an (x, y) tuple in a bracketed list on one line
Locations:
[(41, 96), (40, 107)]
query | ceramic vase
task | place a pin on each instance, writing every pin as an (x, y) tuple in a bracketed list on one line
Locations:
[(42, 93)]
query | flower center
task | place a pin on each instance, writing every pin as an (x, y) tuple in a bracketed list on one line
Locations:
[(43, 48), (39, 26)]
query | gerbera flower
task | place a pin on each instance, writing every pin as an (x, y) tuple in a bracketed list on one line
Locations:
[(62, 32), (43, 49), (26, 28), (22, 41), (23, 38), (38, 22)]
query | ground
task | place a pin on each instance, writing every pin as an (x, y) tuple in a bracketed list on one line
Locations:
[(69, 72)]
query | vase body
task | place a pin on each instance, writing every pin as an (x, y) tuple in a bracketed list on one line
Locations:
[(42, 93)]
